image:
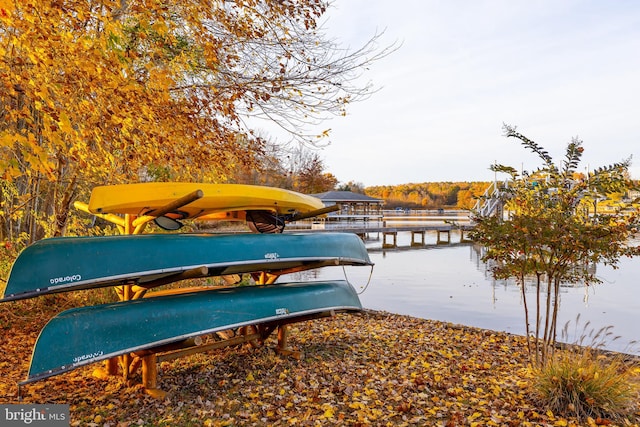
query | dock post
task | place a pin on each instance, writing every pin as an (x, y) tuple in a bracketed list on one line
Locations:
[(440, 241), (413, 234), (395, 239)]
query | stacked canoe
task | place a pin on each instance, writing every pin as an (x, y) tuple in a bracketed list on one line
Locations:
[(89, 334)]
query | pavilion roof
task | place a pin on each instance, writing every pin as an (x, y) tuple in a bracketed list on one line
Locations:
[(346, 196)]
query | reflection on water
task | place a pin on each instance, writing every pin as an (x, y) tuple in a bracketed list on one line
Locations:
[(450, 283)]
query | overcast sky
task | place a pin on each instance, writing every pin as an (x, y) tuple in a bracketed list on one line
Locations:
[(557, 69)]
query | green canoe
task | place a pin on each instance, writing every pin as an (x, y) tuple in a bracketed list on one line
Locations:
[(73, 263), (86, 335)]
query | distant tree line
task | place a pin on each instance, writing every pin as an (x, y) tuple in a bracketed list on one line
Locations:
[(429, 195)]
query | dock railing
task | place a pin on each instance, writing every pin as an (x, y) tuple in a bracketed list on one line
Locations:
[(490, 202)]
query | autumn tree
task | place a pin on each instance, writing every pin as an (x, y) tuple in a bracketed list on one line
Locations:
[(100, 91), (306, 172), (267, 167), (465, 199), (294, 167), (353, 186), (550, 236)]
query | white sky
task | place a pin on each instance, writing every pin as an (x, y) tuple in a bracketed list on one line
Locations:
[(556, 69)]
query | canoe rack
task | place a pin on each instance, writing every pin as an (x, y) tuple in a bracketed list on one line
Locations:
[(148, 360)]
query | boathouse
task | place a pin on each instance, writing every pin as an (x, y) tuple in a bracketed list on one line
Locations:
[(353, 206)]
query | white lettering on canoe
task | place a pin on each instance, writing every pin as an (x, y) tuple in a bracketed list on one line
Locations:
[(65, 279), (84, 357), (271, 255), (282, 311)]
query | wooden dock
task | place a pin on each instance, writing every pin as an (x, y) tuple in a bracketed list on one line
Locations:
[(389, 233)]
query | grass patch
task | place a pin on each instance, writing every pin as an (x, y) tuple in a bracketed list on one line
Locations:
[(584, 382)]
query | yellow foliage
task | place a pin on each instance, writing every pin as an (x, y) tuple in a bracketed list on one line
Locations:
[(104, 92), (116, 81)]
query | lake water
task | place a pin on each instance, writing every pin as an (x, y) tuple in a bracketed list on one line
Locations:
[(450, 283)]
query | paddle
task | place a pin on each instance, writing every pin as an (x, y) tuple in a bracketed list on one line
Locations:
[(311, 214), (158, 215)]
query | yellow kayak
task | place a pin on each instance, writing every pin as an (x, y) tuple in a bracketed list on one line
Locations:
[(182, 200), (143, 198)]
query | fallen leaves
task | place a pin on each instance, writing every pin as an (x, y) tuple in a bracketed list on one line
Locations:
[(358, 370)]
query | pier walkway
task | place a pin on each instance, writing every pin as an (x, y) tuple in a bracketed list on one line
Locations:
[(444, 225)]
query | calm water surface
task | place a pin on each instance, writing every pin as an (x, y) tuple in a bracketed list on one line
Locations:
[(450, 283)]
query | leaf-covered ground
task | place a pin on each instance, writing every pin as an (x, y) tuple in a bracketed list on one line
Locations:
[(357, 369)]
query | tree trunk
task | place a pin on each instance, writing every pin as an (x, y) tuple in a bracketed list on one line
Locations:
[(62, 211), (547, 323)]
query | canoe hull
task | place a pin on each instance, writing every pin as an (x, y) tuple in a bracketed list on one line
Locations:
[(86, 335), (141, 198), (74, 263)]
